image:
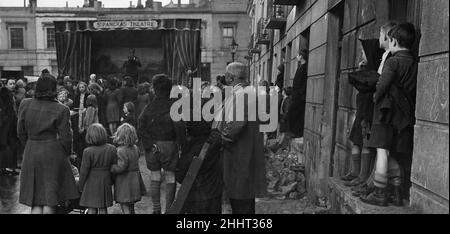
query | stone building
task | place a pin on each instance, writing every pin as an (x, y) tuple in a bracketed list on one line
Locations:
[(329, 30), (27, 35)]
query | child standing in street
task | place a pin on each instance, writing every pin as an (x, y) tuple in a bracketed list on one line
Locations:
[(129, 186), (95, 177), (91, 116), (129, 116)]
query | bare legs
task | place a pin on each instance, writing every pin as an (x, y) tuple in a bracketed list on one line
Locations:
[(127, 208), (43, 210), (112, 128), (97, 211)]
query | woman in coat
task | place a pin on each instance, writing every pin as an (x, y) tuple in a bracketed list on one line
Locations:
[(296, 113), (112, 105), (44, 126)]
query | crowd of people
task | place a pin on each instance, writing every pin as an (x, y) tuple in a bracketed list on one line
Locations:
[(82, 142)]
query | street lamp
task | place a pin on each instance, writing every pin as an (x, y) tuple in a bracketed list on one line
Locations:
[(234, 46)]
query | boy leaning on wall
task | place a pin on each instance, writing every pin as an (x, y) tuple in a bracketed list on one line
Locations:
[(394, 112)]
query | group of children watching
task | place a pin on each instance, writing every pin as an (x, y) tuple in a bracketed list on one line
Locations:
[(102, 165), (385, 115)]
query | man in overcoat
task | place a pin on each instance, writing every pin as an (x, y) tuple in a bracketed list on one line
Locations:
[(243, 156)]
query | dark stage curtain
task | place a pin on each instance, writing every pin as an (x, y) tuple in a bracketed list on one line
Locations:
[(188, 43), (182, 50), (74, 54), (172, 64)]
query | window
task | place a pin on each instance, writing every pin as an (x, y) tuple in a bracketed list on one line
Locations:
[(50, 38), (16, 38), (228, 33), (27, 70)]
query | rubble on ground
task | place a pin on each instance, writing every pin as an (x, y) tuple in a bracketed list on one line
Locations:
[(285, 175)]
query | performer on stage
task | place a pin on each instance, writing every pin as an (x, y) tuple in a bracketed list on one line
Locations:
[(131, 66)]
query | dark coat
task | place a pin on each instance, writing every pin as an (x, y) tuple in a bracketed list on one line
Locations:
[(243, 157), (128, 94), (8, 130), (8, 117), (141, 103), (155, 124), (285, 106), (112, 106), (128, 186), (95, 176), (395, 101), (365, 81), (130, 119), (280, 78), (296, 113), (208, 183), (397, 84), (46, 178)]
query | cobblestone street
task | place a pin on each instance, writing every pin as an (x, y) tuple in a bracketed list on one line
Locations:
[(9, 195)]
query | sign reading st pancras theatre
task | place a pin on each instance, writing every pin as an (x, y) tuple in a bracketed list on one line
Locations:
[(125, 24)]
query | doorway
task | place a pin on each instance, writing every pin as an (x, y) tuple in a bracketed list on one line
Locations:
[(333, 60)]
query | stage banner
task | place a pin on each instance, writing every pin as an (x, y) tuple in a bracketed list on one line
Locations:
[(150, 24)]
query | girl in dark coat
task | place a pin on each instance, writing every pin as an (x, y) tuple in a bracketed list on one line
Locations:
[(95, 177), (46, 179), (129, 186)]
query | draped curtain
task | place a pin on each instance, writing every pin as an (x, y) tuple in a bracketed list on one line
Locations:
[(188, 46), (73, 51), (172, 63), (182, 49)]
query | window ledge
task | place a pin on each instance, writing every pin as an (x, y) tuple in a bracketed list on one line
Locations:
[(342, 201)]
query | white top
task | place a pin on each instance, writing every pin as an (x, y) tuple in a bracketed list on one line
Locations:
[(383, 60)]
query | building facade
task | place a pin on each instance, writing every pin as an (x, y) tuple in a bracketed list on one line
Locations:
[(329, 30), (27, 36)]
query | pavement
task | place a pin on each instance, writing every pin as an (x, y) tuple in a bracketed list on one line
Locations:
[(9, 194)]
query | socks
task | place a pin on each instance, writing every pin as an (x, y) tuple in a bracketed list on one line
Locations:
[(170, 194), (356, 164), (380, 180), (155, 193), (395, 172), (365, 167)]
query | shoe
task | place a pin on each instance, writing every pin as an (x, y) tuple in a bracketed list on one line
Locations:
[(396, 197), (358, 191), (377, 198), (348, 177), (156, 212), (12, 173), (353, 183), (3, 172)]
